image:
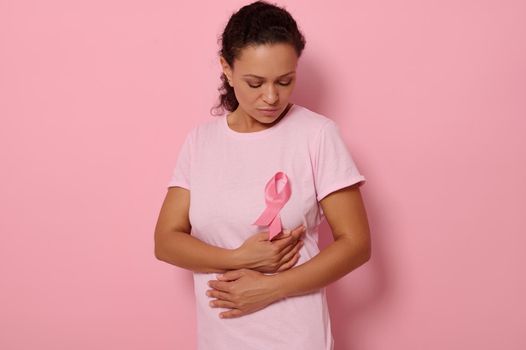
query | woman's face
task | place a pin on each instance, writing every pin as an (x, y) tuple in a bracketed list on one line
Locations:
[(263, 78)]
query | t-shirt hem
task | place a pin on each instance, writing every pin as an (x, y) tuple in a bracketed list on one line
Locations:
[(341, 185), (178, 184)]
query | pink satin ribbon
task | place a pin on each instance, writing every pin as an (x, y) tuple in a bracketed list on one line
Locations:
[(274, 202)]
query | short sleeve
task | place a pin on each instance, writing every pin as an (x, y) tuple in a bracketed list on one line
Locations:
[(334, 167), (181, 172)]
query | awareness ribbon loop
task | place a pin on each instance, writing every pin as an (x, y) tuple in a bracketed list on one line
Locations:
[(274, 202)]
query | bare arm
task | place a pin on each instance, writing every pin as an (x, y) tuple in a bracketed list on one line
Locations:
[(175, 245), (351, 248)]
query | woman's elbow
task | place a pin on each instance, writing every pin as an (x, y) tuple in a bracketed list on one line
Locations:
[(362, 248)]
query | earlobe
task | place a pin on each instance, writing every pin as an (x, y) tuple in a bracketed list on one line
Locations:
[(228, 78)]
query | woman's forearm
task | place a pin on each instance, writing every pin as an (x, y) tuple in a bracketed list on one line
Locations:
[(186, 251), (335, 261)]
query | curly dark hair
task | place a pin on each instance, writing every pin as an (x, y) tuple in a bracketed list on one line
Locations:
[(257, 23)]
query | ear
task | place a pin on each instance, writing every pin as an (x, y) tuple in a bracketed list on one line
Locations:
[(226, 67)]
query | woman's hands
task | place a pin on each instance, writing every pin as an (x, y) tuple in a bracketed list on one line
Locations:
[(243, 291), (248, 289), (260, 254)]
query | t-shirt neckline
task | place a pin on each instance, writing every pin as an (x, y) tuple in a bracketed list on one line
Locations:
[(254, 134)]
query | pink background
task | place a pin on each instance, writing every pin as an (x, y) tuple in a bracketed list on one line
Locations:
[(95, 97)]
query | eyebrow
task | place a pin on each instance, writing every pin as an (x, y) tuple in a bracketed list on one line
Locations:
[(257, 76)]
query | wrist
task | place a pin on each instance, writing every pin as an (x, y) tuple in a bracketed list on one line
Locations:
[(278, 285), (237, 260)]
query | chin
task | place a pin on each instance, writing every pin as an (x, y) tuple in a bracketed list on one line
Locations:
[(268, 119)]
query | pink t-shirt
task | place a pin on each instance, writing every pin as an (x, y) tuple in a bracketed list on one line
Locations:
[(226, 172)]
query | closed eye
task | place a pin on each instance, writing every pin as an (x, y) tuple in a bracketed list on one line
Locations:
[(280, 83), (285, 84)]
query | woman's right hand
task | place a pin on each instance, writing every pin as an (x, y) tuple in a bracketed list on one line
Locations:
[(260, 254)]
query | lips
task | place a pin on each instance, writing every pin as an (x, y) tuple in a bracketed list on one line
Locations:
[(269, 112)]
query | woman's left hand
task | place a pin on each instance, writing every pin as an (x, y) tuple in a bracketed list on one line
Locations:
[(244, 291)]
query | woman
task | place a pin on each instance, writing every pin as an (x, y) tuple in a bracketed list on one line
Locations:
[(244, 185)]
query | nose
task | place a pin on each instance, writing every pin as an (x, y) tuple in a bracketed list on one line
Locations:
[(271, 95)]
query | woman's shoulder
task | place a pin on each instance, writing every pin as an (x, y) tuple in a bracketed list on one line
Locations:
[(308, 118)]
